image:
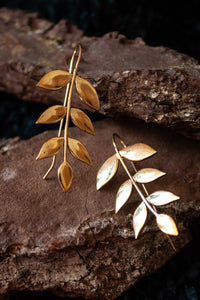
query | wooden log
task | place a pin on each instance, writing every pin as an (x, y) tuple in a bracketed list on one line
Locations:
[(73, 243), (154, 84)]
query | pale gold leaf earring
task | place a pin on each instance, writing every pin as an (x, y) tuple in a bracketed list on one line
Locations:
[(55, 80), (138, 152)]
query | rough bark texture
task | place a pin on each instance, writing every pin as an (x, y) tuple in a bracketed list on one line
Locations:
[(154, 84), (6, 144), (72, 243)]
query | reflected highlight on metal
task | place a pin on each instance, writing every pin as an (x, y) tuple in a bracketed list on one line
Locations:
[(138, 152), (55, 80)]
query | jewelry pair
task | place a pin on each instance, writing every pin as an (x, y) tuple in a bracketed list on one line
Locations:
[(58, 79)]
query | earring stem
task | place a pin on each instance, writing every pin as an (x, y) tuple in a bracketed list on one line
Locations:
[(131, 178), (62, 121), (78, 47)]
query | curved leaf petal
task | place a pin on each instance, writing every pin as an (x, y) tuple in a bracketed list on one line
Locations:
[(137, 152), (162, 198), (147, 175), (107, 171), (50, 147), (55, 80), (81, 120), (166, 224), (65, 175), (139, 218), (87, 92), (52, 115), (123, 194), (79, 151)]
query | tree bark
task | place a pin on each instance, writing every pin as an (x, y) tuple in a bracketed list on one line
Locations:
[(73, 243), (153, 84)]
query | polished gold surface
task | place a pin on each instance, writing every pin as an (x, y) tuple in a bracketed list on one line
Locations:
[(123, 194), (162, 198), (107, 171), (79, 151), (55, 80), (87, 93), (50, 147), (137, 152), (52, 115), (81, 120), (139, 218), (166, 224), (65, 175), (147, 175)]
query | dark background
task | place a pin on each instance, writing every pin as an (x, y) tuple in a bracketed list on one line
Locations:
[(174, 24)]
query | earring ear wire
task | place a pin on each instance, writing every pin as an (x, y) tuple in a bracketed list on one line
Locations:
[(138, 152)]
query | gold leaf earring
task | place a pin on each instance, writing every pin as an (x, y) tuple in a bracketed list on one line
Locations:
[(138, 152), (55, 80)]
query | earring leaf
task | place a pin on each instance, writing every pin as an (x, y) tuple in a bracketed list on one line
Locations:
[(52, 115), (87, 93), (147, 175), (79, 151), (107, 171), (139, 218), (65, 175), (123, 194), (137, 152), (50, 147), (81, 120), (55, 80), (162, 198), (166, 224)]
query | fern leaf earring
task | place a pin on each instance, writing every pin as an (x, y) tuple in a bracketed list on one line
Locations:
[(138, 152), (55, 80)]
